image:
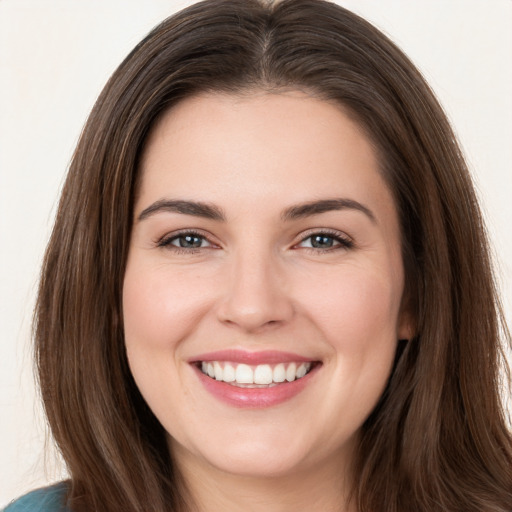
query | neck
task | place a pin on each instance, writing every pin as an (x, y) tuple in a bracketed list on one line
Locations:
[(324, 488)]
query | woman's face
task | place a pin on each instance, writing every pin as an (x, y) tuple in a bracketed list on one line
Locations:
[(265, 252)]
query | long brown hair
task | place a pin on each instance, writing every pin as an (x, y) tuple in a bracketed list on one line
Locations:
[(438, 439)]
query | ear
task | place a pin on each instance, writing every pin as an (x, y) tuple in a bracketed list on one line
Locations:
[(406, 326)]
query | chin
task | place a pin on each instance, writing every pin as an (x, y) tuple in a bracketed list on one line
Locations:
[(269, 454), (256, 463)]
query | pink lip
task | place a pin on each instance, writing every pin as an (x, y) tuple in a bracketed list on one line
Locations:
[(251, 358)]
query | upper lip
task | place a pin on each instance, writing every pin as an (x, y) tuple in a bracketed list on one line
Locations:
[(251, 358)]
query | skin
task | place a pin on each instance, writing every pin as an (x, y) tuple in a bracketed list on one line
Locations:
[(256, 283)]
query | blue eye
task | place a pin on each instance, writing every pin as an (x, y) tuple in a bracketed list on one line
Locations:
[(185, 241), (325, 242), (188, 241), (322, 241)]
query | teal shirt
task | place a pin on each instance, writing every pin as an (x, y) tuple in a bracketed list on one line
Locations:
[(47, 499)]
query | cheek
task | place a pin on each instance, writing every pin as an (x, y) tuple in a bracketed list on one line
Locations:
[(360, 323), (358, 317), (159, 307), (358, 308), (158, 312)]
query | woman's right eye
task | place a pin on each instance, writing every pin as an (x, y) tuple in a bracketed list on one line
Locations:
[(185, 241)]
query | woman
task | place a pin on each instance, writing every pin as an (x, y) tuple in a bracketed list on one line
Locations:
[(337, 351)]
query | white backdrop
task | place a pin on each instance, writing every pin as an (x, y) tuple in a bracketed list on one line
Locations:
[(56, 55)]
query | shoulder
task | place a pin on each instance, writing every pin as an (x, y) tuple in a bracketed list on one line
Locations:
[(47, 499)]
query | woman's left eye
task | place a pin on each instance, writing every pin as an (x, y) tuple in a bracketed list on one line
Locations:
[(325, 242)]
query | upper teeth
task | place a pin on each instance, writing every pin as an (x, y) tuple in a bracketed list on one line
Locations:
[(260, 374)]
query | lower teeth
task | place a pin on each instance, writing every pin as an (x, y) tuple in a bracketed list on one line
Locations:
[(236, 385)]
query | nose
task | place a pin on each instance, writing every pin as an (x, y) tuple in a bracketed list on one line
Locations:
[(256, 296)]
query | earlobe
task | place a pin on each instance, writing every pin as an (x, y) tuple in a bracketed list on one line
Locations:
[(406, 326)]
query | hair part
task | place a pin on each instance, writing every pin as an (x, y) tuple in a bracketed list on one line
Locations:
[(438, 439)]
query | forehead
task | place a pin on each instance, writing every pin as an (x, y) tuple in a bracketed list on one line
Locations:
[(259, 148)]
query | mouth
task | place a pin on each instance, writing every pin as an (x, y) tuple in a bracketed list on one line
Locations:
[(254, 379), (255, 376)]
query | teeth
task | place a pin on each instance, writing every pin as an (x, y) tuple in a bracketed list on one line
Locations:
[(290, 372), (279, 374), (217, 370), (301, 371), (244, 374), (262, 374), (229, 373)]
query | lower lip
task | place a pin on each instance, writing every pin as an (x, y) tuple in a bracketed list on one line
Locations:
[(255, 398)]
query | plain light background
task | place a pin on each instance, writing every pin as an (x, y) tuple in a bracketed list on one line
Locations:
[(56, 55)]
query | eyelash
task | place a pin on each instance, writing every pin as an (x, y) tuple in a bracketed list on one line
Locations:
[(343, 241)]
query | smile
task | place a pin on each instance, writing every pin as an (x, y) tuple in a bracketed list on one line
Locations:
[(254, 379), (244, 375)]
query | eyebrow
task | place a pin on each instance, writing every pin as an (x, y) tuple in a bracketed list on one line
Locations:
[(195, 208), (213, 212), (326, 205)]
